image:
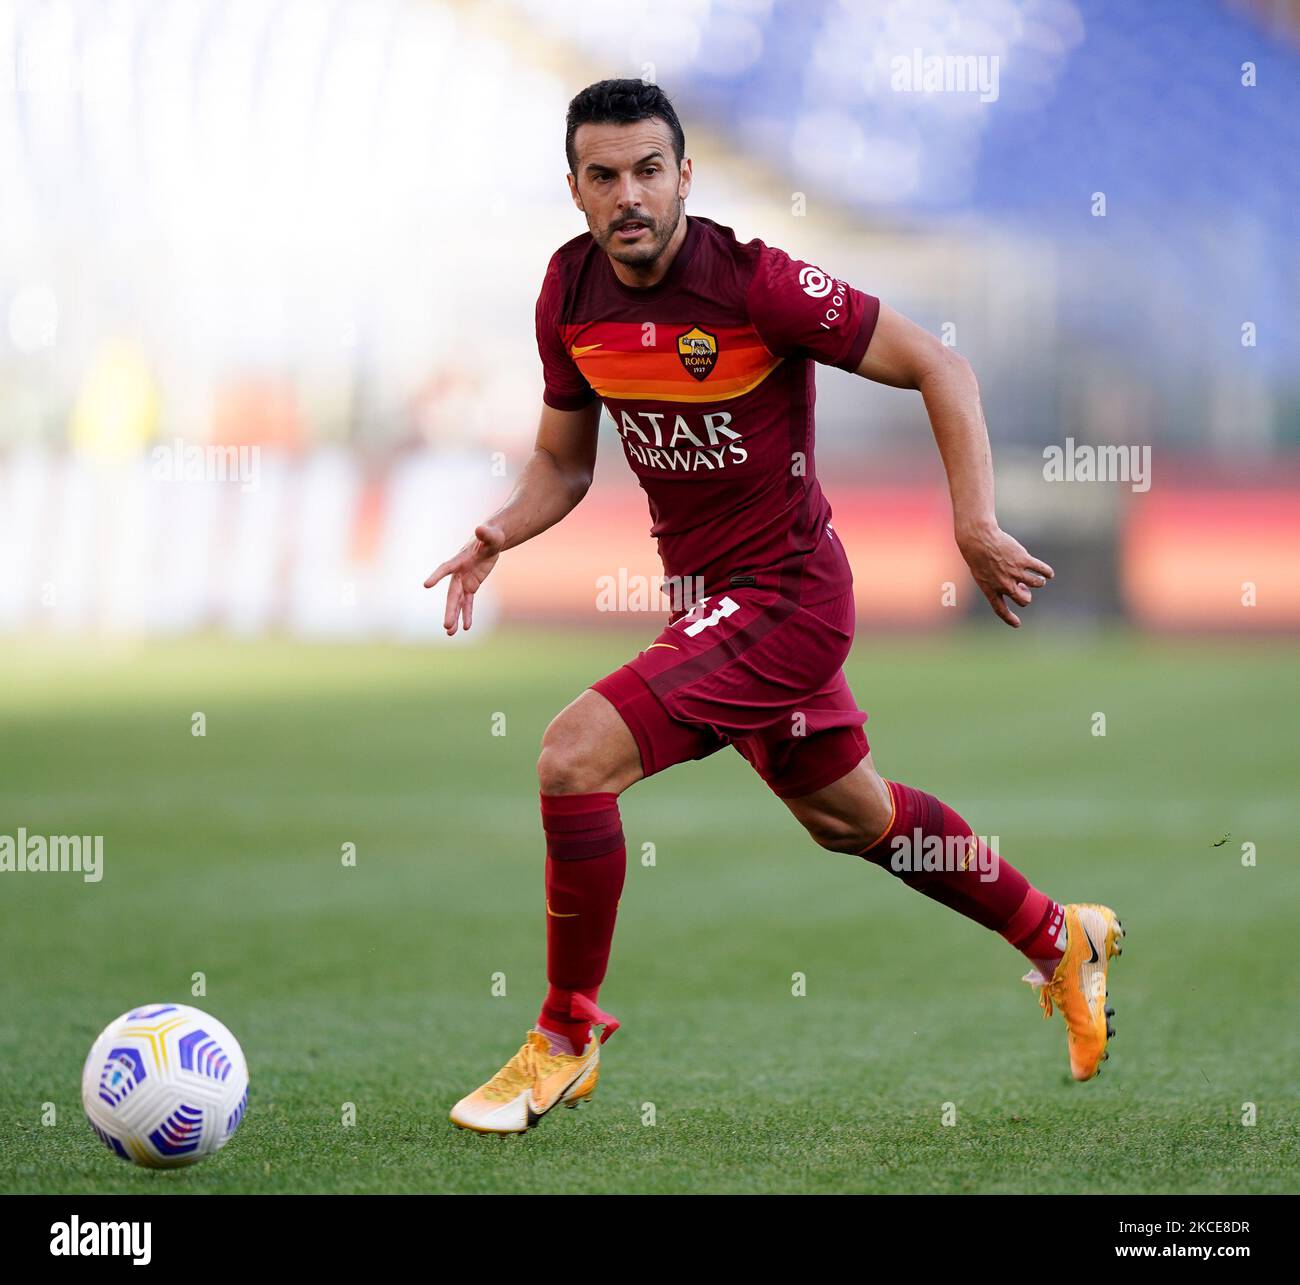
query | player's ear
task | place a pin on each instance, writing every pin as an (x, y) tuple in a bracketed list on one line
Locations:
[(573, 191), (684, 181)]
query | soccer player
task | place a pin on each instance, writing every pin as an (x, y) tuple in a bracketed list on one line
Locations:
[(701, 349)]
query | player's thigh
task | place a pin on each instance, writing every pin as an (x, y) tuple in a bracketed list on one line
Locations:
[(850, 813), (588, 748)]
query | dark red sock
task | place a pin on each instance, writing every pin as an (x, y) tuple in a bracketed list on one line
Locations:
[(586, 863), (1034, 930), (930, 848)]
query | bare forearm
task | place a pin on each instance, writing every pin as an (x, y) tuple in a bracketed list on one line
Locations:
[(903, 355), (952, 401), (545, 492)]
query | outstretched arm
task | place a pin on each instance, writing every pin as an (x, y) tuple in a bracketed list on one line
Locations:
[(550, 486), (904, 355)]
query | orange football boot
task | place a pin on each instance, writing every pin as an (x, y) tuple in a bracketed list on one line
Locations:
[(1078, 986), (535, 1080)]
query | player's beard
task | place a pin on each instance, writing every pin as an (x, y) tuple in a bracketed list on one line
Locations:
[(644, 254)]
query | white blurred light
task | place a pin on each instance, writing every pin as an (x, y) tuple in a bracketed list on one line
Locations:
[(669, 47), (992, 55), (34, 318), (834, 148), (732, 45)]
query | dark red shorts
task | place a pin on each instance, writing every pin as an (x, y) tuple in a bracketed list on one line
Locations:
[(755, 670)]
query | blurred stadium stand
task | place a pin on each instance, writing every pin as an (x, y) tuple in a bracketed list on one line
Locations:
[(317, 228)]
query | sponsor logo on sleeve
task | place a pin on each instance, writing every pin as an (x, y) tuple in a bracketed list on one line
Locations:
[(815, 282)]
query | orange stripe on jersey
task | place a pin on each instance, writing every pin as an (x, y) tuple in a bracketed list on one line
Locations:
[(669, 362)]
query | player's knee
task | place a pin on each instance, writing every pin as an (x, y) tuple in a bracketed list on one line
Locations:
[(567, 764), (561, 771), (837, 834), (850, 828)]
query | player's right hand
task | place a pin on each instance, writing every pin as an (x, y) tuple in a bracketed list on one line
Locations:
[(1003, 568), (468, 569)]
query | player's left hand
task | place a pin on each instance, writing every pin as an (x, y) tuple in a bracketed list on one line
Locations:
[(1003, 568)]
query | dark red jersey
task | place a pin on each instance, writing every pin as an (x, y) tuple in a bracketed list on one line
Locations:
[(708, 376)]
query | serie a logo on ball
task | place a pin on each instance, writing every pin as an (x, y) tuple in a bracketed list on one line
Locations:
[(165, 1085)]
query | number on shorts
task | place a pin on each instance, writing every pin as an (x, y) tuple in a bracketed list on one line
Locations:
[(726, 606)]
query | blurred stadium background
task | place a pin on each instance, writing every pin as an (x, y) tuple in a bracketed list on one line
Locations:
[(314, 230)]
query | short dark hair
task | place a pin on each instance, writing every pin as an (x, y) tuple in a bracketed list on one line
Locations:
[(620, 102)]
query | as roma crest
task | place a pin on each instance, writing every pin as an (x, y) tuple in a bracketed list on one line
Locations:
[(699, 351)]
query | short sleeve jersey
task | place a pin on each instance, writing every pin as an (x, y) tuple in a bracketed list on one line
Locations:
[(708, 377)]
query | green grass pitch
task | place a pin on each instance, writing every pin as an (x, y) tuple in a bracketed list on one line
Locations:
[(373, 985)]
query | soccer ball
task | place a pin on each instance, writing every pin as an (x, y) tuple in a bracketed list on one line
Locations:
[(165, 1085)]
